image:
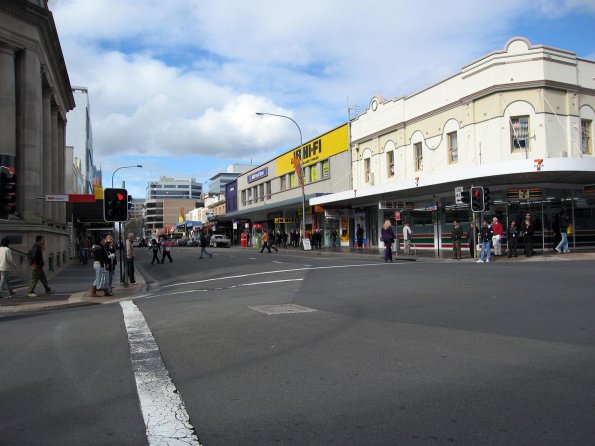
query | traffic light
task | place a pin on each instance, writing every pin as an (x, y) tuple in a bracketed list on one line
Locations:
[(487, 200), (130, 210), (8, 192), (477, 199), (115, 204), (465, 197)]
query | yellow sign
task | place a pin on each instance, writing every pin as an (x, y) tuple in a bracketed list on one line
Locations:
[(181, 219), (315, 150), (286, 220)]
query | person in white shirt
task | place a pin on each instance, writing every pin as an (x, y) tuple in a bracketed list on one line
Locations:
[(407, 234), (6, 264)]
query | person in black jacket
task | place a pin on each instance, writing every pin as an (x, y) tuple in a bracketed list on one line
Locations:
[(485, 238), (388, 237), (513, 238), (527, 231), (37, 273)]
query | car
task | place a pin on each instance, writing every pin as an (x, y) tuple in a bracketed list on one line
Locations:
[(220, 241)]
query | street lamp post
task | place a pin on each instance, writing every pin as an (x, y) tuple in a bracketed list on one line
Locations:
[(122, 257), (303, 155)]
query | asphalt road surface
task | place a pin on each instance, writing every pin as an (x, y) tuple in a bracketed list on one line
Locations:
[(284, 349)]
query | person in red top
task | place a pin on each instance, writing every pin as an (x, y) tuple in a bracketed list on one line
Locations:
[(497, 238)]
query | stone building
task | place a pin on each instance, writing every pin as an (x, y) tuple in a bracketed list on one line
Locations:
[(35, 96)]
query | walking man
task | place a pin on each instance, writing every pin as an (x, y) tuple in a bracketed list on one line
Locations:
[(407, 234), (203, 246), (37, 273)]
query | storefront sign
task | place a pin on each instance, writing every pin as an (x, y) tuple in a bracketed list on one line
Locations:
[(524, 194), (339, 213), (589, 189), (313, 151), (258, 175), (286, 220), (391, 205)]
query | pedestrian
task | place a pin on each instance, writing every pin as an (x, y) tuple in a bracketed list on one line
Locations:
[(85, 247), (272, 241), (513, 235), (265, 242), (457, 235), (407, 235), (204, 242), (36, 260), (334, 237), (485, 238), (6, 264), (111, 263), (156, 249), (563, 222), (98, 254), (388, 237), (285, 238), (167, 244), (497, 239), (527, 231), (472, 239), (556, 230), (359, 235), (130, 257)]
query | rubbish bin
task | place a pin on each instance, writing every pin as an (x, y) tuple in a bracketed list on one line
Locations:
[(244, 240)]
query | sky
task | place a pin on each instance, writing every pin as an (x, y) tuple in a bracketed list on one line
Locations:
[(175, 86)]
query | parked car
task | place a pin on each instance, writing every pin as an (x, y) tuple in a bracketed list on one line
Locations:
[(220, 241)]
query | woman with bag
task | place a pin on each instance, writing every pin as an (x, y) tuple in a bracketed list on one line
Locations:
[(388, 237)]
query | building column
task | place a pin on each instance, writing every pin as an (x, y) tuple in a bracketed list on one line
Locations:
[(61, 167), (52, 167), (7, 107), (47, 150), (29, 137)]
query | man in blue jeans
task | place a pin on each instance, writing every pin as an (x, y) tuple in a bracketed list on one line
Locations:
[(485, 238)]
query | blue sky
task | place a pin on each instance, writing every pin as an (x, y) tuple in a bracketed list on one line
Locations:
[(175, 85)]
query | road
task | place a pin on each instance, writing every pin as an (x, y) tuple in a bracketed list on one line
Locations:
[(357, 351)]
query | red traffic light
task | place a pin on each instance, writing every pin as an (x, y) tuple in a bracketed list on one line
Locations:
[(120, 196)]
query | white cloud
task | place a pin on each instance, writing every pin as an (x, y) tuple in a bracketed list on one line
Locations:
[(186, 77)]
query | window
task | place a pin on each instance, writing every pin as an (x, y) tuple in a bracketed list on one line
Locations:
[(390, 163), (249, 201), (283, 182), (268, 186), (314, 173), (453, 148), (261, 190), (419, 156), (326, 169), (367, 172), (292, 180), (586, 132), (519, 133)]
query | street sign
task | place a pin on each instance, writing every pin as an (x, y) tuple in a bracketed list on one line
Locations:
[(56, 198), (459, 195), (72, 198)]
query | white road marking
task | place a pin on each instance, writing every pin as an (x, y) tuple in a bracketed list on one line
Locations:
[(276, 261), (269, 282), (164, 412), (278, 271)]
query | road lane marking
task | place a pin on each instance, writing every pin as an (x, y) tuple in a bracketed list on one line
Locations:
[(269, 282), (164, 412), (239, 276)]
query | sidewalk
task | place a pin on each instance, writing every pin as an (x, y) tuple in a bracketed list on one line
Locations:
[(71, 288), (72, 285)]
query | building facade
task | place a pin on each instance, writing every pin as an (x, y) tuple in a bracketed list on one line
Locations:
[(518, 121), (270, 197), (36, 97)]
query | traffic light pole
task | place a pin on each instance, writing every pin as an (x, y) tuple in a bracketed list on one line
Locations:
[(121, 245)]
